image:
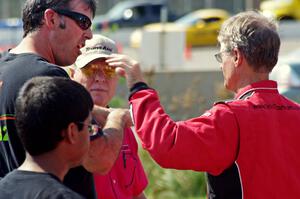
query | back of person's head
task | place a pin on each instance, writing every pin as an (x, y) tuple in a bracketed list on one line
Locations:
[(255, 36), (33, 11), (45, 107)]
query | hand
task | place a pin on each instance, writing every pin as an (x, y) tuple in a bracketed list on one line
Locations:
[(126, 67), (121, 116), (100, 114)]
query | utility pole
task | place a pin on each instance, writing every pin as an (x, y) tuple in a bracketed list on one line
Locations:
[(5, 8), (162, 36), (249, 5), (208, 3)]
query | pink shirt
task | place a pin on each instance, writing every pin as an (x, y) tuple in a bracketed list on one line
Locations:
[(127, 178)]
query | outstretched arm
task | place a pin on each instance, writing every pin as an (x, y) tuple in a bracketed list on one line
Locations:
[(206, 143), (104, 150)]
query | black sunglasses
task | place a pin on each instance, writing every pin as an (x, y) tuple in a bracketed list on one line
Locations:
[(82, 21)]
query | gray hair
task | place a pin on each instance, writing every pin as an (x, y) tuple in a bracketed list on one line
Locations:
[(255, 36)]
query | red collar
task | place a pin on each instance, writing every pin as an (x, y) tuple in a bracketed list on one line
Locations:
[(265, 86)]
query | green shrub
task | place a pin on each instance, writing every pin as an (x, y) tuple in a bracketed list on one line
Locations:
[(171, 183)]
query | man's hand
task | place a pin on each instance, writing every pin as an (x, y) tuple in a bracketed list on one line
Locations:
[(100, 114), (122, 115), (126, 67)]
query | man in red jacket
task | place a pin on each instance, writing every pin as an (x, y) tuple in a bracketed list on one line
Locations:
[(249, 146)]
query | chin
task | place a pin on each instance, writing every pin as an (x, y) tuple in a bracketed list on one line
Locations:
[(99, 103)]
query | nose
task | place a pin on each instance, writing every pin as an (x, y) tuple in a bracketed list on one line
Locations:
[(99, 76), (88, 34)]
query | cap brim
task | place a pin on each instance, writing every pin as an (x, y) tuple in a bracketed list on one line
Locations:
[(80, 63)]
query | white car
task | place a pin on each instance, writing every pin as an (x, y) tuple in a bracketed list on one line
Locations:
[(287, 74)]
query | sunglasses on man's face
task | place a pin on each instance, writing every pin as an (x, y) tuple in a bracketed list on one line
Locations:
[(91, 69), (81, 20)]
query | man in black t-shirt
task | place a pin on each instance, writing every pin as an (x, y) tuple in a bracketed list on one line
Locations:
[(54, 32)]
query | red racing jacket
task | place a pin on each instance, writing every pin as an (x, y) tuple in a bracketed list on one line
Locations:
[(249, 146)]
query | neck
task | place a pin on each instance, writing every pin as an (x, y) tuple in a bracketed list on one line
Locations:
[(35, 43), (245, 81), (46, 163)]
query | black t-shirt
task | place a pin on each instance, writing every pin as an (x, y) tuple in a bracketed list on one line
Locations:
[(15, 70), (33, 185)]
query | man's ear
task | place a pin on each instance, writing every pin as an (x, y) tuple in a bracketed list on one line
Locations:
[(51, 18), (71, 133), (237, 57)]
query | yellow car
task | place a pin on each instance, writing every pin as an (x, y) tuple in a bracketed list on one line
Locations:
[(201, 27), (281, 9)]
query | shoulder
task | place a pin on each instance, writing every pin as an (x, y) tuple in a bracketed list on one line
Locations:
[(47, 68), (220, 112), (225, 102), (55, 189), (35, 185), (28, 63), (232, 103), (62, 192)]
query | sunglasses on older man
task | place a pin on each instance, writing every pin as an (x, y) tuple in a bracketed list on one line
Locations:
[(81, 20), (92, 69)]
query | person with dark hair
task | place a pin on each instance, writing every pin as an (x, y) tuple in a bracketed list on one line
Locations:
[(127, 178), (54, 32), (53, 116), (53, 120), (249, 146)]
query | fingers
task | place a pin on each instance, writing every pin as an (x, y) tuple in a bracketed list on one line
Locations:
[(126, 67), (121, 117), (100, 114), (121, 72), (119, 59)]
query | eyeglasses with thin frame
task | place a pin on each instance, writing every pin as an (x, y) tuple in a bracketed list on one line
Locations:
[(219, 57), (93, 129), (81, 20)]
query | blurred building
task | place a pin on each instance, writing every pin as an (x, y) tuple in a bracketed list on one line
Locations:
[(12, 8)]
